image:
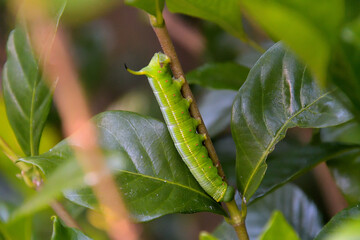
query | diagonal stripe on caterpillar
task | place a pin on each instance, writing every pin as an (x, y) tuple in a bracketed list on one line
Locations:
[(182, 127)]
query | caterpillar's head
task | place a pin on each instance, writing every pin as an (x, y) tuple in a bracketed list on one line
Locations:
[(158, 65)]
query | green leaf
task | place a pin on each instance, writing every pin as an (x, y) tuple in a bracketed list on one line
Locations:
[(61, 232), (278, 228), (348, 132), (299, 211), (226, 14), (347, 231), (206, 236), (348, 214), (215, 107), (278, 94), (75, 14), (27, 96), (10, 231), (146, 5), (302, 158), (150, 173), (343, 70), (345, 170), (300, 24), (219, 75)]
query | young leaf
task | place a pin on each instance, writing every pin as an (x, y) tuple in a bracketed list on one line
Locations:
[(226, 14), (151, 175), (61, 232), (346, 215), (278, 228), (285, 20), (278, 94), (302, 158), (53, 186), (299, 211), (219, 75), (27, 96)]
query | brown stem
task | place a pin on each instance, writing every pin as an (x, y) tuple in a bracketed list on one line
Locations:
[(334, 200), (60, 210), (168, 48), (237, 217)]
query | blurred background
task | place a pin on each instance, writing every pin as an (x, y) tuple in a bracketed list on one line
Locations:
[(104, 36)]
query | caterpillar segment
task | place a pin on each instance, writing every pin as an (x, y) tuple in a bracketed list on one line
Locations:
[(182, 127)]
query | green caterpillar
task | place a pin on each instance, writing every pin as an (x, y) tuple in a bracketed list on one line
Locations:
[(182, 127)]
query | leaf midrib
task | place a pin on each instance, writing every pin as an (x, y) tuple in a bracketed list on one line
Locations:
[(275, 138), (165, 181)]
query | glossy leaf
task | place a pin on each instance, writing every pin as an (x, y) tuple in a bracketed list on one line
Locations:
[(278, 228), (61, 232), (289, 161), (298, 210), (146, 5), (27, 96), (285, 20), (346, 215), (215, 108), (348, 132), (278, 94), (226, 14), (219, 75), (152, 177)]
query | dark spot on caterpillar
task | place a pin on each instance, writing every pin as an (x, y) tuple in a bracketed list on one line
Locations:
[(125, 66), (161, 64)]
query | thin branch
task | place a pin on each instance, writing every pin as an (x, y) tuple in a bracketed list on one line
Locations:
[(8, 151), (60, 210), (168, 48), (333, 198), (237, 216)]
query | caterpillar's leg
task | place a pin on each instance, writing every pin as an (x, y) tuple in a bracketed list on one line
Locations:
[(202, 137), (188, 101), (179, 82), (197, 121)]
